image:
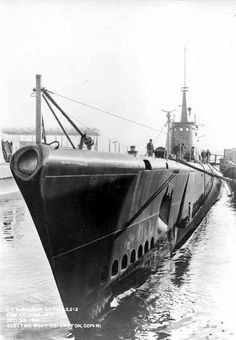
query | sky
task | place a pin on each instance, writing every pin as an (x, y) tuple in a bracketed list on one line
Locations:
[(125, 57)]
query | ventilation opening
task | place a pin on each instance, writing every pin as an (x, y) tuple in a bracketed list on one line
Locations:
[(147, 164), (133, 256), (124, 262), (140, 251), (146, 247), (114, 269), (152, 243), (165, 206)]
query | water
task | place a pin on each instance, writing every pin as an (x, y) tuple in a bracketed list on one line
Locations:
[(26, 279), (192, 296)]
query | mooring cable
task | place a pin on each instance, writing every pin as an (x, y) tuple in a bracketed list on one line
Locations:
[(190, 165), (131, 220), (106, 112), (112, 114)]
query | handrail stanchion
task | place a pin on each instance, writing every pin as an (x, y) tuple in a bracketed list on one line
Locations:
[(38, 110)]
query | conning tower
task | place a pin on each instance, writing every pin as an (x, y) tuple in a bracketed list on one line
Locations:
[(183, 133)]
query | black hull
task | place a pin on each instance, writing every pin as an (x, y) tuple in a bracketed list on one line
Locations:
[(105, 220), (230, 172)]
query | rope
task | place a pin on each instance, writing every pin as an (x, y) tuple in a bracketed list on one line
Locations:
[(46, 93), (227, 179), (113, 115), (129, 223), (214, 167), (71, 116), (104, 111), (149, 201), (100, 238)]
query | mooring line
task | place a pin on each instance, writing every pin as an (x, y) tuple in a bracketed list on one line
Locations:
[(132, 219), (227, 179)]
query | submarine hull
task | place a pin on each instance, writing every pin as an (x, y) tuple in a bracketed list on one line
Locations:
[(106, 220)]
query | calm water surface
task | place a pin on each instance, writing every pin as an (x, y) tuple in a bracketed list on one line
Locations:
[(192, 296)]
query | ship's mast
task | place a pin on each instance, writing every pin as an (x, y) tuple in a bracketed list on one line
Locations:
[(38, 110), (184, 66), (168, 135), (184, 111)]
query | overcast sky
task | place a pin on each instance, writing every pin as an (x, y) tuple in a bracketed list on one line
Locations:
[(123, 56)]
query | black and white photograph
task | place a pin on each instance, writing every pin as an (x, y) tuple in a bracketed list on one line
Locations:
[(117, 169)]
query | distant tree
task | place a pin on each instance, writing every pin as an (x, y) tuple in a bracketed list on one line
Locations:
[(49, 131)]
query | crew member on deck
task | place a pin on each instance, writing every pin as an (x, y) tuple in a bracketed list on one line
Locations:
[(203, 156), (150, 148), (208, 156), (182, 150), (192, 154)]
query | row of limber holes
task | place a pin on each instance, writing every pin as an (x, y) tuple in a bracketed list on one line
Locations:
[(124, 261)]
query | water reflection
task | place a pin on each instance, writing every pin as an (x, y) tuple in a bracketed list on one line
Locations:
[(25, 275), (12, 213), (190, 296), (181, 267)]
